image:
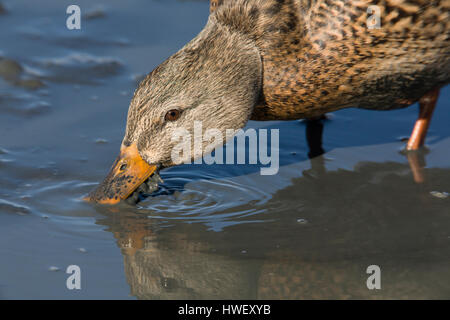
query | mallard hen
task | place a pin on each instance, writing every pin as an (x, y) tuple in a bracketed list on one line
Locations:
[(283, 60)]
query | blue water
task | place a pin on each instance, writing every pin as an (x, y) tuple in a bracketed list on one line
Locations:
[(211, 231)]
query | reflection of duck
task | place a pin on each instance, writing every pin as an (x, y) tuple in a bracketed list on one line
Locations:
[(173, 268), (289, 59), (353, 219)]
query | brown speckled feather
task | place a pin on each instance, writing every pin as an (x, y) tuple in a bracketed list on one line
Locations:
[(320, 56), (283, 59)]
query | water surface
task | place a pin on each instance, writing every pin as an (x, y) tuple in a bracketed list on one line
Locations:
[(221, 231)]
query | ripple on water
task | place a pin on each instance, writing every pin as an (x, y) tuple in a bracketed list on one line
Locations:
[(51, 33), (32, 109), (44, 187), (11, 207), (79, 68), (217, 203)]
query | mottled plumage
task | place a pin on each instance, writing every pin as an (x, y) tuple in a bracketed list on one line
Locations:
[(282, 60), (320, 56)]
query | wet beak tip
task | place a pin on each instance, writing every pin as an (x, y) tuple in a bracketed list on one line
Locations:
[(120, 184)]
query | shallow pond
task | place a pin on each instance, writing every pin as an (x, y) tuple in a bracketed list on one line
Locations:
[(210, 231)]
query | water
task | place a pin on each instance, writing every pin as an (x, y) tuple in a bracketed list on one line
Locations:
[(221, 231)]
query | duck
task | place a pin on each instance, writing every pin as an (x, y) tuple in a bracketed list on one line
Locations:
[(284, 60)]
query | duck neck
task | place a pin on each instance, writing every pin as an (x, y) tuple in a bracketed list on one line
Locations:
[(230, 68)]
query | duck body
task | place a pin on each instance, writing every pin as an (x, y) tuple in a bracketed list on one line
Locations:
[(282, 60), (320, 55)]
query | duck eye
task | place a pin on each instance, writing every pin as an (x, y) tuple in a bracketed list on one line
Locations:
[(123, 167), (172, 115)]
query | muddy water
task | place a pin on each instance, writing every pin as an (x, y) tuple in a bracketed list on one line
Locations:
[(221, 231)]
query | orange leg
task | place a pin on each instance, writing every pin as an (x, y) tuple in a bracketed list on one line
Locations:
[(427, 104), (417, 163)]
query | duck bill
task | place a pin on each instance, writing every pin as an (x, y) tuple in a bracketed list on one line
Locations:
[(128, 172)]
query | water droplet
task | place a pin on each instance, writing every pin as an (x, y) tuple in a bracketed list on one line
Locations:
[(101, 141), (440, 195)]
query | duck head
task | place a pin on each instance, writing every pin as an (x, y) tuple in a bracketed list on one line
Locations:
[(215, 79)]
